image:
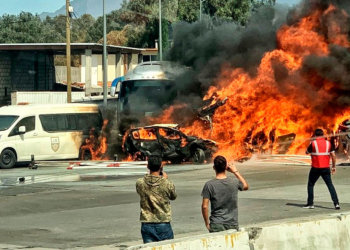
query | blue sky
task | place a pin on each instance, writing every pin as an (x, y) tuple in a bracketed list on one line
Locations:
[(34, 6), (289, 2), (39, 6)]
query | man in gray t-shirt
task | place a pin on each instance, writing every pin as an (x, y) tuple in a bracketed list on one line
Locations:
[(222, 193)]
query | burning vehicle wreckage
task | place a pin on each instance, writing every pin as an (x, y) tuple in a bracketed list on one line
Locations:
[(175, 145), (167, 140)]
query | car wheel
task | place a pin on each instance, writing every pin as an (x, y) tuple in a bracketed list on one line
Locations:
[(198, 156), (8, 159)]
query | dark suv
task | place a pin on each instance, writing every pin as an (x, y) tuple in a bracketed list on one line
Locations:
[(168, 142)]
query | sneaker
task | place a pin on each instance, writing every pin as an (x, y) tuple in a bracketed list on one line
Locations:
[(309, 206), (337, 207)]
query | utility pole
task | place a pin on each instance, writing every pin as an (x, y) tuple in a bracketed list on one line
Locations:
[(69, 83), (160, 45), (105, 63)]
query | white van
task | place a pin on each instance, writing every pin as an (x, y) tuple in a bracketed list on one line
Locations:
[(49, 132)]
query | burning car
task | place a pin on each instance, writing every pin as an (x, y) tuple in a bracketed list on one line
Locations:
[(169, 142)]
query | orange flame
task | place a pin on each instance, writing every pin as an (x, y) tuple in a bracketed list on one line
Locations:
[(263, 107), (144, 134), (96, 146)]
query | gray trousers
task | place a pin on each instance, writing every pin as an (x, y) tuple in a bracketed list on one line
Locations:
[(221, 227)]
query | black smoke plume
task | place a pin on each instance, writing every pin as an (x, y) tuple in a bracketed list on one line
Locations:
[(206, 48)]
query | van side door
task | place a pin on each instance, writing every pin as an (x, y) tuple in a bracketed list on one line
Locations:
[(27, 143), (60, 136)]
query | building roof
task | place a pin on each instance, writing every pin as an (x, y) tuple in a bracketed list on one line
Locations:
[(48, 108), (60, 48)]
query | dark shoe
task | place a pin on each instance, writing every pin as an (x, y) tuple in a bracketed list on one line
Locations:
[(309, 206), (337, 207)]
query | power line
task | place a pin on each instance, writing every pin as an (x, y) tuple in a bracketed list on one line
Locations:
[(81, 24)]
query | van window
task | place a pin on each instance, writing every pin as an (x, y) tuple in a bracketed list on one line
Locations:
[(6, 121), (49, 122), (70, 122), (28, 122), (59, 122)]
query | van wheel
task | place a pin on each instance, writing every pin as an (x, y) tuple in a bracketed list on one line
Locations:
[(198, 156), (7, 159)]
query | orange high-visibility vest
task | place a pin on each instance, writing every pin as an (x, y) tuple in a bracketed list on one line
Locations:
[(320, 154)]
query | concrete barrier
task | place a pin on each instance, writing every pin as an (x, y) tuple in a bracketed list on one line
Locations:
[(332, 233), (231, 239)]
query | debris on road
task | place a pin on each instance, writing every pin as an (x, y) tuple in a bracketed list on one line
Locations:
[(91, 164), (284, 159), (101, 164)]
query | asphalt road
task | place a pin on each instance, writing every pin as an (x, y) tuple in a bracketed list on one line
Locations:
[(65, 209)]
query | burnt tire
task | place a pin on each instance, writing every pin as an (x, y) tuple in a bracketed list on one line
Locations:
[(198, 156), (7, 159)]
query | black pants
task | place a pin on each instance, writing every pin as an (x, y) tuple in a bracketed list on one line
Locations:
[(314, 174)]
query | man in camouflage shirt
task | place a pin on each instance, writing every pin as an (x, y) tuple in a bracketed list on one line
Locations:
[(155, 192)]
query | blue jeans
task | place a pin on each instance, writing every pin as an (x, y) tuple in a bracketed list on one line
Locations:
[(152, 232)]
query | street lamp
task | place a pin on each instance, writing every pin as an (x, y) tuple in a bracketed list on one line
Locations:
[(105, 63), (160, 45), (68, 53)]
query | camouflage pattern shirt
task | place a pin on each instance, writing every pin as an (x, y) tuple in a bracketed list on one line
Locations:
[(155, 195)]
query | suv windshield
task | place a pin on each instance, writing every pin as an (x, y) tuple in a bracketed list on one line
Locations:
[(6, 121), (146, 95)]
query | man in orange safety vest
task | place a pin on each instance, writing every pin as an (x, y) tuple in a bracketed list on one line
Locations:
[(321, 152)]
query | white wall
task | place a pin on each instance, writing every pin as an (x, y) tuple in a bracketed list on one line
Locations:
[(43, 97), (97, 73)]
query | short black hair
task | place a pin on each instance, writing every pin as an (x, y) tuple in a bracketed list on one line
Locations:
[(154, 163), (220, 164), (319, 132)]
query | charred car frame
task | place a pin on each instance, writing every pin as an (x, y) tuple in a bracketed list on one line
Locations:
[(168, 142)]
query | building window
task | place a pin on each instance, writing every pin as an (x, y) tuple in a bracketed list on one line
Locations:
[(146, 58)]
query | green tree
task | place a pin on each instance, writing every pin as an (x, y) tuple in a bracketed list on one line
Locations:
[(136, 24), (188, 10), (233, 10), (226, 10), (114, 23), (81, 28), (26, 28), (143, 19)]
